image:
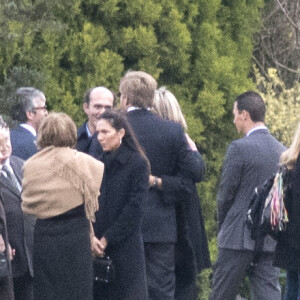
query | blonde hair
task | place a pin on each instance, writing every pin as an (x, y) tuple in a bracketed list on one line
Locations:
[(139, 88), (166, 105), (290, 156), (58, 130)]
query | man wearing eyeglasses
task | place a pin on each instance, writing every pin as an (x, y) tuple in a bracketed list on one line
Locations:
[(96, 101), (29, 109)]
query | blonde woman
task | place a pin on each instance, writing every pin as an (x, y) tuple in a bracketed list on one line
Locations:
[(189, 214), (287, 254)]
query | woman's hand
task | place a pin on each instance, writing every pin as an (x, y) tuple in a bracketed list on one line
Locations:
[(11, 252), (191, 143), (2, 244), (98, 246), (155, 182)]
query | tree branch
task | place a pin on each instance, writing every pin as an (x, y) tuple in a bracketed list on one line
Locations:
[(260, 66), (286, 68), (287, 16)]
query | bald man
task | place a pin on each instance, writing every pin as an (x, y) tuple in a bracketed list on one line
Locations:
[(96, 101)]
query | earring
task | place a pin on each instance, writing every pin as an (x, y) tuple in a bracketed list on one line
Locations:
[(120, 141)]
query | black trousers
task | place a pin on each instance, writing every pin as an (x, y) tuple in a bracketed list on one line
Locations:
[(160, 270)]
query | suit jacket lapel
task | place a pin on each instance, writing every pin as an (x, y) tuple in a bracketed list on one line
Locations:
[(7, 184), (18, 176), (16, 170)]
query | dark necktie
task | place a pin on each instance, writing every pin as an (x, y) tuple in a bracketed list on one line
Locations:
[(11, 177)]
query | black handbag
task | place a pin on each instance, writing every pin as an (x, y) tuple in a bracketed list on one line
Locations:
[(104, 271), (4, 266)]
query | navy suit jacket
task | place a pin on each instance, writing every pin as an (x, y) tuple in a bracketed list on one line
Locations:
[(89, 145), (83, 140), (23, 142), (19, 226), (166, 148)]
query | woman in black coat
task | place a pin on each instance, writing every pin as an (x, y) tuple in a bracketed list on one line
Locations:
[(287, 253), (118, 222), (191, 249)]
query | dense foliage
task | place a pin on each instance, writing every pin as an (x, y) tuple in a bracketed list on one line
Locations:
[(201, 50), (283, 105)]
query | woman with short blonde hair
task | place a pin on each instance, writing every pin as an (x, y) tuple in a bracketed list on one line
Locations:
[(61, 188), (188, 208), (166, 105)]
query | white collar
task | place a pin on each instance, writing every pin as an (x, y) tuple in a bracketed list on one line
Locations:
[(7, 164), (131, 108), (256, 128), (87, 130), (29, 128)]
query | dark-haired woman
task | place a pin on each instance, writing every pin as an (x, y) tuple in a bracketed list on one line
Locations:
[(118, 222)]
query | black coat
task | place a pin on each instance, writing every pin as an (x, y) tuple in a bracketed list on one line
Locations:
[(166, 148), (191, 249), (287, 253), (123, 195)]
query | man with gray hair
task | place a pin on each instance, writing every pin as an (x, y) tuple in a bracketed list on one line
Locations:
[(29, 109)]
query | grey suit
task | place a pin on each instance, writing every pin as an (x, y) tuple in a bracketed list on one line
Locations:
[(249, 162)]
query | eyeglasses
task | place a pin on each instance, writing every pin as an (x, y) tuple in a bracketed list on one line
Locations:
[(41, 107)]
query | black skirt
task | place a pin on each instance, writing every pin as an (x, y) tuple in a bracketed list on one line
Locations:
[(62, 258)]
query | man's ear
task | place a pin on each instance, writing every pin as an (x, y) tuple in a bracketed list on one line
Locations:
[(86, 108), (124, 102), (30, 115), (121, 133), (246, 115)]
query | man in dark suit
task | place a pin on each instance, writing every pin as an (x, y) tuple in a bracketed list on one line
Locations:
[(19, 226), (29, 109), (249, 162), (166, 148), (6, 284), (96, 101)]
